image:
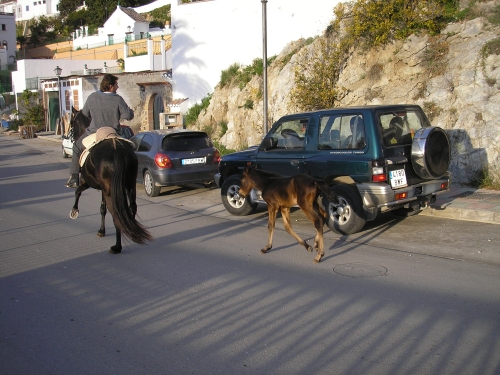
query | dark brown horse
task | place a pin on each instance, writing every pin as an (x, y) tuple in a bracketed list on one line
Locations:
[(111, 167), (282, 193)]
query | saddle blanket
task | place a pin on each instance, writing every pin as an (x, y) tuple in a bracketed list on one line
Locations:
[(106, 132)]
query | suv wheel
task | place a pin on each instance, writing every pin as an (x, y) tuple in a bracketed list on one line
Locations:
[(347, 216), (149, 185), (234, 204)]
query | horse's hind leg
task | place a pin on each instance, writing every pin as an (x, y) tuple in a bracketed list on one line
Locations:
[(117, 248), (285, 213), (270, 228), (102, 229)]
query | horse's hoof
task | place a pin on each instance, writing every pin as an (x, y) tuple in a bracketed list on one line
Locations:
[(115, 251), (73, 214), (101, 233)]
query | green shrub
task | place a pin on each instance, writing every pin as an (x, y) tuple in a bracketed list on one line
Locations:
[(227, 76), (223, 128), (484, 180), (222, 149), (15, 124), (192, 113)]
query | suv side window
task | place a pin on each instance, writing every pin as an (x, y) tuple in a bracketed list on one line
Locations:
[(341, 132), (290, 134), (399, 128)]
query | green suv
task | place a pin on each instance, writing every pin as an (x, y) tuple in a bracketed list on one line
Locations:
[(375, 158)]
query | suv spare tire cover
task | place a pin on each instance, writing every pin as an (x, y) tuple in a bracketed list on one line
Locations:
[(430, 152)]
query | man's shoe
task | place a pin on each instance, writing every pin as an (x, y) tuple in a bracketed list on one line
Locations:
[(72, 182)]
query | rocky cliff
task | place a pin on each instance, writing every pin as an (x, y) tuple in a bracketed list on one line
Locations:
[(454, 76)]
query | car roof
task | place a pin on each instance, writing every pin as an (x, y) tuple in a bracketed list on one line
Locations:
[(373, 107), (172, 131)]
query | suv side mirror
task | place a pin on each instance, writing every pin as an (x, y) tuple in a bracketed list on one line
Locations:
[(268, 144)]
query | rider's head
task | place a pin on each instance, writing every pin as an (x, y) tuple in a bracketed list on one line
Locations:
[(108, 81)]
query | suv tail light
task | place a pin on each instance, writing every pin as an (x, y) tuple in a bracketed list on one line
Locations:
[(216, 158), (163, 161), (379, 171)]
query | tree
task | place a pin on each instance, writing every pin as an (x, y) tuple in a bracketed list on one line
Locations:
[(34, 114), (66, 7)]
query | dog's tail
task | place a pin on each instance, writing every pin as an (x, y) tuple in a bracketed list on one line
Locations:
[(327, 192)]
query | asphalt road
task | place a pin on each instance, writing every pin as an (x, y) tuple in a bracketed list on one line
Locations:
[(413, 296)]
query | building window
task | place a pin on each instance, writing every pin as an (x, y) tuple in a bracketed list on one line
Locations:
[(75, 100), (27, 8), (3, 27), (67, 99), (34, 3)]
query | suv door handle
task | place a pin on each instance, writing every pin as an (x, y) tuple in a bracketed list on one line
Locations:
[(294, 162)]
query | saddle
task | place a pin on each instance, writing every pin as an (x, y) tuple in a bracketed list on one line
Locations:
[(106, 132)]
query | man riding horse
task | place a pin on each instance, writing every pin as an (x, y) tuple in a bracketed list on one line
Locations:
[(105, 108)]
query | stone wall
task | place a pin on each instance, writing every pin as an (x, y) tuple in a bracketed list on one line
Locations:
[(139, 91)]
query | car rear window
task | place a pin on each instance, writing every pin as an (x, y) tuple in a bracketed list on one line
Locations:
[(398, 128), (186, 142)]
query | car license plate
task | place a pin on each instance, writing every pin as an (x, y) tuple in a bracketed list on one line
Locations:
[(193, 161), (398, 178)]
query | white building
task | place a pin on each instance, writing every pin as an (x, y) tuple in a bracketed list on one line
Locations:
[(28, 9), (8, 43), (208, 36)]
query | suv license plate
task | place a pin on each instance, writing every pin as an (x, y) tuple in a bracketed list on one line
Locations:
[(193, 161), (398, 178)]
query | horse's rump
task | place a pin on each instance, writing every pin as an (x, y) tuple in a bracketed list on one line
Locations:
[(112, 165)]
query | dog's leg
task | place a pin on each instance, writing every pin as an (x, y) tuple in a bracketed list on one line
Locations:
[(316, 219), (285, 213), (270, 228)]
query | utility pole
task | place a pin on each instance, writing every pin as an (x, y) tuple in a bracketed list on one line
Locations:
[(264, 61)]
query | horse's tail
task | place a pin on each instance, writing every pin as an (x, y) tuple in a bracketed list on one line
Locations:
[(325, 189), (122, 182)]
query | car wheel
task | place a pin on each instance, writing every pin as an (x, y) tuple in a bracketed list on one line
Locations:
[(65, 155), (347, 216), (232, 201), (149, 185)]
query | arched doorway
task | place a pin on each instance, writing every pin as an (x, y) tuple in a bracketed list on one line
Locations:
[(158, 108)]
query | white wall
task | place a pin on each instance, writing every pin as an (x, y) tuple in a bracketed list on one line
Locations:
[(44, 68), (7, 36), (209, 36), (36, 8)]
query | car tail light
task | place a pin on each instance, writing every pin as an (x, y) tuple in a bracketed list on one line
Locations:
[(400, 196), (445, 185), (379, 173), (216, 158), (163, 161)]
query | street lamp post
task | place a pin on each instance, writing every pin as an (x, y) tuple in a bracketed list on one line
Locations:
[(58, 71), (264, 60)]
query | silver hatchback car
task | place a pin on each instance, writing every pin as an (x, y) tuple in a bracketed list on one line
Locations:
[(174, 157)]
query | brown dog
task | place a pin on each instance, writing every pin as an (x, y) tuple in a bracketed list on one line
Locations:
[(282, 193)]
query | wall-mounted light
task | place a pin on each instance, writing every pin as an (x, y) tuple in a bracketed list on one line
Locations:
[(58, 71), (128, 28)]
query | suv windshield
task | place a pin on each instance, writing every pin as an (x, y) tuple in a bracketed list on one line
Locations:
[(398, 128), (186, 142)]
